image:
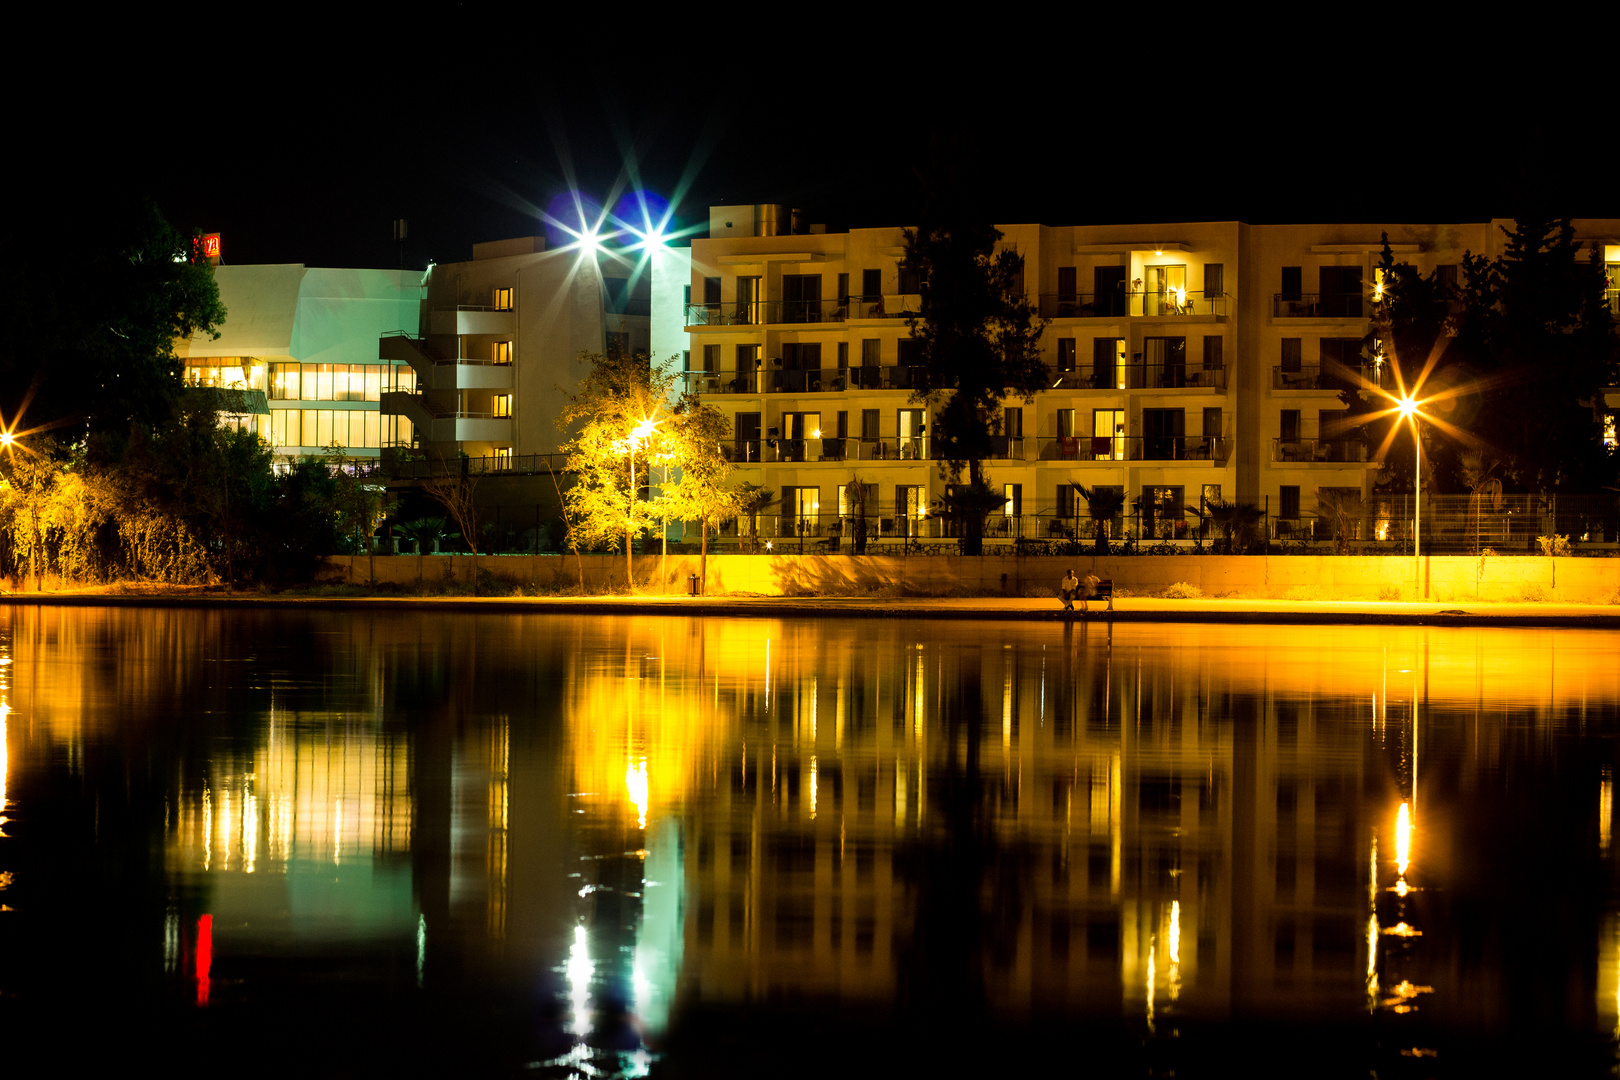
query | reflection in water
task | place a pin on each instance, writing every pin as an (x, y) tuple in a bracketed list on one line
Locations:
[(614, 828)]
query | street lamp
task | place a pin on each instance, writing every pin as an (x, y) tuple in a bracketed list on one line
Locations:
[(1408, 408), (640, 433)]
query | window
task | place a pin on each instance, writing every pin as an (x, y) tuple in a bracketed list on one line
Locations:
[(501, 352), (1341, 291), (843, 356), (1214, 352), (745, 445), (686, 361), (711, 291), (870, 424), (711, 358), (801, 511), (1163, 435), (1067, 284), (1163, 513), (503, 457), (871, 284), (1288, 501), (911, 280), (1212, 422), (1340, 359), (1065, 354), (284, 382), (1108, 434), (1065, 424), (502, 300), (1292, 282), (747, 369), (1209, 496), (1289, 425), (1165, 360), (801, 298), (748, 312), (1012, 500), (910, 424), (910, 506), (1214, 280), (1166, 292), (1067, 504), (1013, 422), (1290, 354), (843, 290), (1109, 283), (1108, 368), (871, 352), (502, 406)]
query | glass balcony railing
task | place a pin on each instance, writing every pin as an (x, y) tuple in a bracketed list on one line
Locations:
[(1139, 302), (1137, 377), (800, 380), (774, 450), (799, 312), (1133, 448), (1318, 306), (1316, 377), (1338, 451)]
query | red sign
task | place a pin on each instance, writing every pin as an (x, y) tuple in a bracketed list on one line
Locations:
[(210, 245)]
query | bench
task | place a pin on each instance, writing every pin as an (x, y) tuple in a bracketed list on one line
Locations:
[(1105, 591)]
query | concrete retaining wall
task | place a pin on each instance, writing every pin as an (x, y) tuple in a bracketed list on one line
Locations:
[(1299, 577)]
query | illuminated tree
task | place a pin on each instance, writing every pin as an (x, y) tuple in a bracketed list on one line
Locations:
[(618, 407), (693, 438), (978, 340)]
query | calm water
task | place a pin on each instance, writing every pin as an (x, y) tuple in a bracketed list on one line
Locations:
[(555, 846)]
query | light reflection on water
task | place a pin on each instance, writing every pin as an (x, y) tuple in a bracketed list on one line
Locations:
[(609, 827)]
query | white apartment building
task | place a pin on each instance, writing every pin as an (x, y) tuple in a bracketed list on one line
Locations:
[(497, 349), (301, 343), (1187, 363)]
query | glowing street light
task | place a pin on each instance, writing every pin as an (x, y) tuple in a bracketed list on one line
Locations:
[(1408, 408)]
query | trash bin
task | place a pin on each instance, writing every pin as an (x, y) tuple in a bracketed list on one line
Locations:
[(692, 585)]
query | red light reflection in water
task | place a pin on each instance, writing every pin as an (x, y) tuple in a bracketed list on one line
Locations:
[(205, 955)]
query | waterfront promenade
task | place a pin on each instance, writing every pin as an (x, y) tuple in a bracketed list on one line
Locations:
[(1023, 609)]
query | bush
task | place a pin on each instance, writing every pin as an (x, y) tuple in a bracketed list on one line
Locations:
[(1181, 590), (1553, 545), (1531, 594), (1389, 592)]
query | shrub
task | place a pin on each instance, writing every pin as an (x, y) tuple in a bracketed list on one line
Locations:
[(1532, 594), (1553, 545), (1389, 592), (1181, 590)]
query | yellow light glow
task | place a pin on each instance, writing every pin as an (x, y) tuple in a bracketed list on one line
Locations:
[(1605, 811), (1175, 931), (635, 783), (1403, 838), (1406, 407), (5, 761)]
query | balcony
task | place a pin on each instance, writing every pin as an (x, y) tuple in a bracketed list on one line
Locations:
[(1332, 377), (770, 450), (1136, 377), (800, 381), (1134, 448), (1310, 451), (1318, 306), (471, 320), (1138, 303), (800, 312)]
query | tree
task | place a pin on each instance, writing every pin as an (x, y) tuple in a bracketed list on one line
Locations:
[(1512, 363), (753, 500), (978, 340), (616, 409), (92, 317), (1236, 521), (694, 438), (453, 488), (1104, 505)]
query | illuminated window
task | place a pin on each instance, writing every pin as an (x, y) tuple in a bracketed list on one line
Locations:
[(502, 300), (503, 406), (1608, 431), (503, 457), (501, 352), (1012, 500)]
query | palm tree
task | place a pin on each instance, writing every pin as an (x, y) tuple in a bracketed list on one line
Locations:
[(1235, 520), (753, 500), (1104, 505), (1479, 473)]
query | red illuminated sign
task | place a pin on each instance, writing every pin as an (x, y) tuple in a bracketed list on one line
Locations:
[(210, 245)]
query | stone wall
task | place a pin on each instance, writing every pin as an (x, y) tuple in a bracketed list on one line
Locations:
[(1296, 577)]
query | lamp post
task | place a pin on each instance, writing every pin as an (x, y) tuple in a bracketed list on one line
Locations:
[(1409, 409)]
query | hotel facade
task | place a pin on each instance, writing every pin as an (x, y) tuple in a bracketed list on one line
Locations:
[(1186, 364)]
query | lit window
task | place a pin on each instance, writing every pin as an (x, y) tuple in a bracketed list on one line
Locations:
[(1608, 431), (503, 406), (501, 352), (503, 300)]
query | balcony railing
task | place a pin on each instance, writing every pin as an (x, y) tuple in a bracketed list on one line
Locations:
[(1139, 302), (1136, 377), (1318, 306), (799, 312), (774, 450), (1340, 451), (800, 381), (1314, 377), (1133, 448)]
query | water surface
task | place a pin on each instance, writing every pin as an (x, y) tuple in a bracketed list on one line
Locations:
[(357, 843)]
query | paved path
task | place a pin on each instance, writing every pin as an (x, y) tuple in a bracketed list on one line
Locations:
[(1128, 609)]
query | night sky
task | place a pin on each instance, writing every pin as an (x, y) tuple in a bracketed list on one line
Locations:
[(312, 161)]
